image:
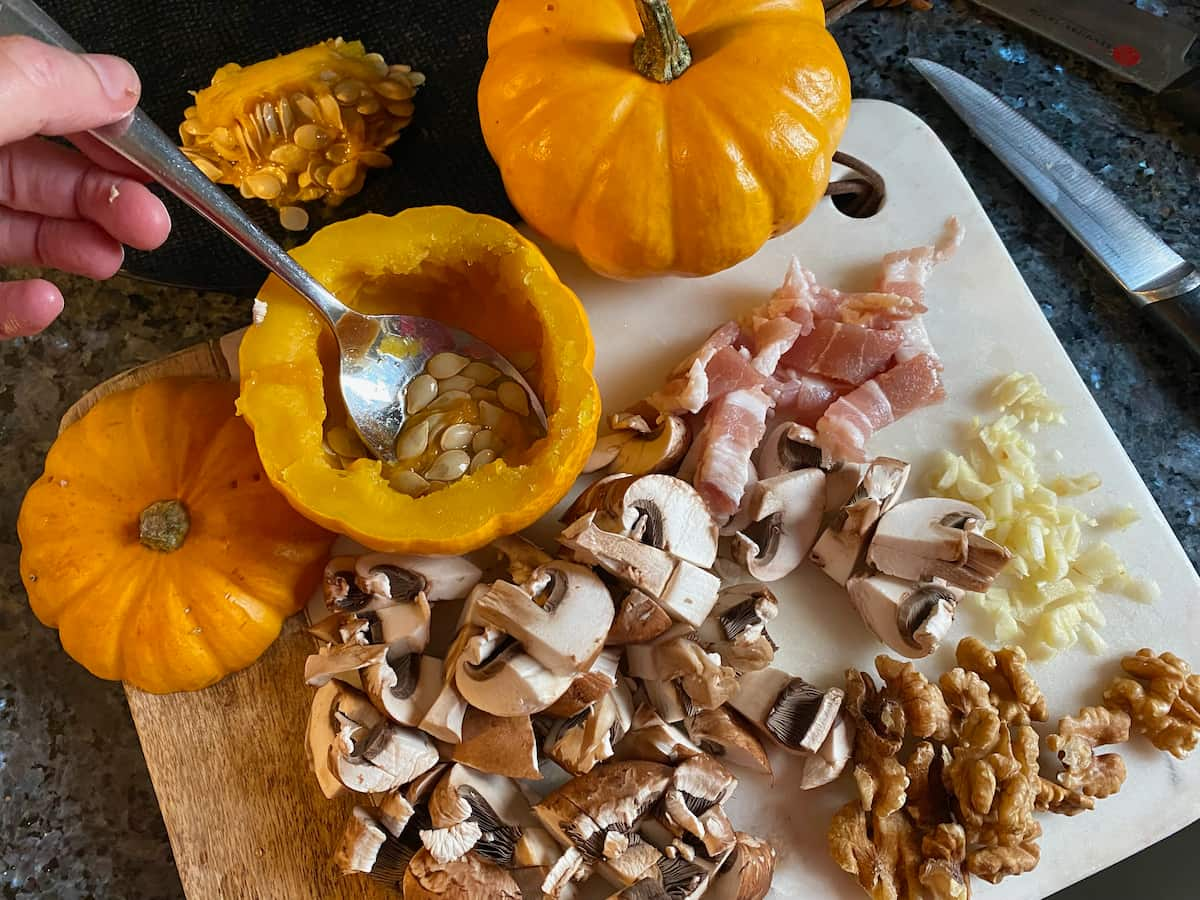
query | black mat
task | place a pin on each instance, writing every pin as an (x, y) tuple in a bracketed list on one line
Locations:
[(176, 44)]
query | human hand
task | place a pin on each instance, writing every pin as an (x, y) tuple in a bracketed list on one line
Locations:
[(59, 208)]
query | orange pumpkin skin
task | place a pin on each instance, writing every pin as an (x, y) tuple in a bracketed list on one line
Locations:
[(685, 177), (164, 621)]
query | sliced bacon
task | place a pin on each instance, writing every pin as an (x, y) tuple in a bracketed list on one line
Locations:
[(803, 398), (906, 272), (772, 339), (847, 353), (731, 370), (850, 421), (800, 298), (875, 309), (733, 428), (686, 390)]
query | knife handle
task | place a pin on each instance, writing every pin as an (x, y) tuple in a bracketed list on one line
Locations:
[(1180, 317)]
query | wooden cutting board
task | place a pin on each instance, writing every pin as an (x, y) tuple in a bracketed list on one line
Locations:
[(246, 819)]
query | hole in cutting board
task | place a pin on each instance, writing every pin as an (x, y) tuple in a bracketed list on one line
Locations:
[(862, 193)]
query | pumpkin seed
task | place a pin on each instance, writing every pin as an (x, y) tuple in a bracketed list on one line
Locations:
[(379, 66), (344, 442), (244, 190), (311, 137), (264, 185), (328, 75), (315, 192), (398, 69), (481, 373), (484, 439), (348, 91), (401, 109), (450, 466), (407, 482), (445, 364), (490, 415), (523, 360), (321, 173), (211, 172), (267, 113), (287, 119), (293, 218), (481, 459), (342, 177), (420, 393), (306, 106), (482, 393), (456, 383), (413, 441), (330, 111), (374, 159), (399, 89), (416, 79), (338, 153), (368, 106), (449, 399), (457, 437), (292, 158), (514, 397)]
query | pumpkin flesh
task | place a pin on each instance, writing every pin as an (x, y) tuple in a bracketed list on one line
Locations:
[(642, 177), (472, 272), (164, 621)]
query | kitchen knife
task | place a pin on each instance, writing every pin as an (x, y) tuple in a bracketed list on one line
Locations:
[(1161, 282), (1132, 43)]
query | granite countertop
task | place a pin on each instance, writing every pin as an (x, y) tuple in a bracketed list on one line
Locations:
[(77, 812)]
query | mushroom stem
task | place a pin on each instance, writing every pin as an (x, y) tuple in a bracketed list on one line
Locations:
[(661, 53), (163, 525)]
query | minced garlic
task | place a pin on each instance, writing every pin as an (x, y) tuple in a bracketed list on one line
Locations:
[(1047, 598)]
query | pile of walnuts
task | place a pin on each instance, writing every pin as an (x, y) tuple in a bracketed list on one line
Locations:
[(963, 800)]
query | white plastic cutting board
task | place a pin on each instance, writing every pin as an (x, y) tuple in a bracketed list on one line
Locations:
[(985, 323)]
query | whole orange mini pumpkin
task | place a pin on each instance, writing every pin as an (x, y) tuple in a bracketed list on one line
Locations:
[(652, 142), (156, 545)]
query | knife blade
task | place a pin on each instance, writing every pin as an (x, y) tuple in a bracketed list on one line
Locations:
[(1132, 43), (1158, 279)]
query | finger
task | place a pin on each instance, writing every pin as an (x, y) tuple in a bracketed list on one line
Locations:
[(26, 307), (27, 239), (106, 158), (47, 90), (40, 177)]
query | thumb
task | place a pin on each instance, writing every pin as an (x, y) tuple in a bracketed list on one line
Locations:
[(48, 90), (26, 307)]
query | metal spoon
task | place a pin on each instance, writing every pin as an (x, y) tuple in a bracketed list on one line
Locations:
[(373, 375)]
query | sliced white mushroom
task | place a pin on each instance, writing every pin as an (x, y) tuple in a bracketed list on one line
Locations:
[(789, 447), (395, 812), (444, 719), (381, 758), (579, 743), (936, 537), (793, 712), (336, 659), (509, 682), (736, 630), (638, 564), (332, 704), (451, 843), (568, 868), (652, 739), (840, 548), (404, 627), (690, 594), (404, 686), (395, 576), (702, 676), (499, 745), (785, 512), (910, 618), (626, 866), (341, 590), (638, 619), (361, 842), (666, 513), (342, 628), (668, 700), (561, 615), (674, 878), (747, 873), (831, 757), (467, 876), (636, 448), (722, 733), (588, 687)]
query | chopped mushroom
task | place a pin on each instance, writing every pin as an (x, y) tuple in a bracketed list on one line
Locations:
[(469, 876), (636, 449), (336, 659), (404, 686), (588, 687), (381, 758), (394, 576), (668, 700), (502, 746), (342, 628), (935, 537), (795, 713), (785, 515), (403, 627), (724, 734), (639, 619), (652, 739), (561, 615), (746, 873), (340, 587), (910, 618), (395, 812), (736, 630), (831, 757), (444, 719), (506, 681), (334, 701), (790, 447), (702, 675), (588, 738), (839, 549), (360, 844)]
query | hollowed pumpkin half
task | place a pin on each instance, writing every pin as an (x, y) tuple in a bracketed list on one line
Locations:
[(470, 271)]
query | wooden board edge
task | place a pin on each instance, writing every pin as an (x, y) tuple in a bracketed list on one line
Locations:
[(216, 358)]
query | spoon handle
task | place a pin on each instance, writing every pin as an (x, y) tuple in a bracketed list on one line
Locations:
[(139, 140)]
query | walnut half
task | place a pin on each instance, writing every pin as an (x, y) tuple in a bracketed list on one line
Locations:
[(1167, 708), (1075, 743)]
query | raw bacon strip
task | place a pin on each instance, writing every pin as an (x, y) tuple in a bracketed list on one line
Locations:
[(850, 421), (803, 398), (772, 339), (686, 391), (730, 370), (733, 429), (878, 310), (800, 298), (847, 353), (906, 273)]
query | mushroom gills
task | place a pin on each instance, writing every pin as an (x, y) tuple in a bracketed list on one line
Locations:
[(908, 617), (796, 714)]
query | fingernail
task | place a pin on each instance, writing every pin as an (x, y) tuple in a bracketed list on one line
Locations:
[(117, 77)]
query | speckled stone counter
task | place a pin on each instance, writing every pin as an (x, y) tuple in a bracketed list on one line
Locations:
[(77, 813)]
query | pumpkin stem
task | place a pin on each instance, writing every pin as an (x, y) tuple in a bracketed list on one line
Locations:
[(660, 53), (163, 525)]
